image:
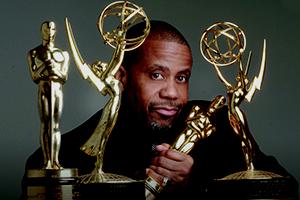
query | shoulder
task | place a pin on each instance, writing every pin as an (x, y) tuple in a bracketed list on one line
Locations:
[(66, 55), (36, 49), (33, 52)]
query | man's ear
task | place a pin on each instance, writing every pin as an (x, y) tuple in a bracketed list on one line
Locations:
[(121, 75)]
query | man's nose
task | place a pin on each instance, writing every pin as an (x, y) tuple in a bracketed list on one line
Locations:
[(169, 90)]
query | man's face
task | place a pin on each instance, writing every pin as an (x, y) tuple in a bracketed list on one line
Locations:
[(157, 84)]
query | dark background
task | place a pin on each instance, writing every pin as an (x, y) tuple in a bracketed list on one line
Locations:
[(272, 114)]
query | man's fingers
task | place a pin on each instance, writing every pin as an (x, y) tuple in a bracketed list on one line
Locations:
[(162, 147), (159, 178)]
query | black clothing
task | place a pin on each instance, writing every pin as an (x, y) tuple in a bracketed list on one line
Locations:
[(129, 151)]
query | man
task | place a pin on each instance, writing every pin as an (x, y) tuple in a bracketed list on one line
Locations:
[(49, 67), (155, 80)]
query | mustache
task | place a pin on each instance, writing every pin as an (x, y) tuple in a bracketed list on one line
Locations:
[(166, 103)]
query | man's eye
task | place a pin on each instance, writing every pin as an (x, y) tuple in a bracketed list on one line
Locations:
[(156, 76), (182, 79)]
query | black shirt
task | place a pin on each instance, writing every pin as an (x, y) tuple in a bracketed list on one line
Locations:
[(130, 148)]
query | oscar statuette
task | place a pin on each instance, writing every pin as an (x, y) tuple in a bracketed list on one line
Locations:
[(199, 125), (223, 45), (102, 76), (49, 70)]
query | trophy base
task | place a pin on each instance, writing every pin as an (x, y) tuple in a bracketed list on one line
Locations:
[(42, 184), (253, 184), (252, 174), (134, 190), (110, 186), (101, 177)]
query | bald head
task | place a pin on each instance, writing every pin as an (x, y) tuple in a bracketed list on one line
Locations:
[(159, 30)]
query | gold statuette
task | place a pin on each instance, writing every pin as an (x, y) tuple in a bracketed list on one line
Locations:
[(198, 126), (102, 76), (49, 69), (223, 45)]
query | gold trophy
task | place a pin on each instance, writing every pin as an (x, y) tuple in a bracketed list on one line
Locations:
[(49, 70), (199, 125), (223, 45), (102, 76)]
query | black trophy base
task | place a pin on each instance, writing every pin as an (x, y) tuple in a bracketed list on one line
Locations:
[(134, 190), (50, 184), (245, 189)]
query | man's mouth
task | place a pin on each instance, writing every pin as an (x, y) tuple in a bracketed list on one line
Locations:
[(165, 111)]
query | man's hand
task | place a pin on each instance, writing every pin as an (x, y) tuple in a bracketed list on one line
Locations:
[(170, 164)]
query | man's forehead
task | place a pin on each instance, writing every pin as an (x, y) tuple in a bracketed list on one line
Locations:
[(166, 47), (164, 44)]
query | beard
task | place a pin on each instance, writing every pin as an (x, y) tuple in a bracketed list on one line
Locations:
[(163, 120), (141, 115), (158, 127)]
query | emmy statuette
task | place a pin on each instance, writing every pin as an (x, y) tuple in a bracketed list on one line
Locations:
[(223, 45), (102, 76)]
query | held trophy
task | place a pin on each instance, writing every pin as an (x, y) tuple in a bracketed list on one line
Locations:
[(49, 70), (199, 125), (102, 76), (223, 45)]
